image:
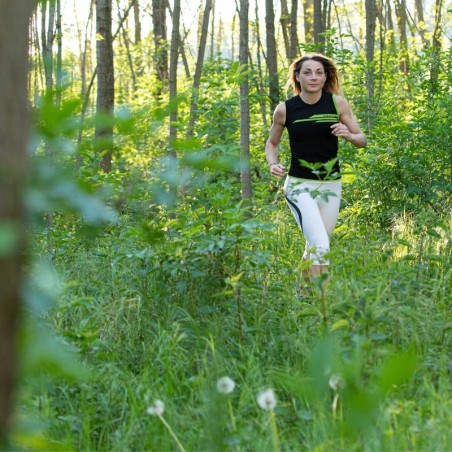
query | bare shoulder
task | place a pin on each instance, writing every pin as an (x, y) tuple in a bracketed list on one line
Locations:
[(279, 115), (342, 103)]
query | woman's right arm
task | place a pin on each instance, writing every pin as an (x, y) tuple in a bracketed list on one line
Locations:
[(271, 146)]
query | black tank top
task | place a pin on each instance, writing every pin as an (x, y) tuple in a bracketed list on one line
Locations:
[(309, 127)]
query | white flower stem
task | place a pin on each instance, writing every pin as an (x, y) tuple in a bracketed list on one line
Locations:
[(334, 405), (274, 428), (171, 433)]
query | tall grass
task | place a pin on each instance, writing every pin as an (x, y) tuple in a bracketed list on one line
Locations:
[(158, 320)]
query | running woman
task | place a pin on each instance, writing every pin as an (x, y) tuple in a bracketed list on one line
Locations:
[(315, 118)]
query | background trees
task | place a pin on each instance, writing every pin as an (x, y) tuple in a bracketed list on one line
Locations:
[(105, 80), (169, 280)]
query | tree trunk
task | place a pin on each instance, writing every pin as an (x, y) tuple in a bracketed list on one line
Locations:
[(47, 39), (390, 26), (198, 70), (160, 43), (85, 51), (420, 11), (436, 48), (371, 14), (308, 15), (272, 64), (174, 52), (319, 25), (137, 20), (381, 19), (85, 59), (105, 81), (212, 32), (13, 151), (182, 45), (293, 30), (245, 173), (285, 24), (260, 78), (402, 21), (59, 62), (130, 59)]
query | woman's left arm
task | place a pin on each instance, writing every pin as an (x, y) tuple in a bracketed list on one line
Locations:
[(348, 127)]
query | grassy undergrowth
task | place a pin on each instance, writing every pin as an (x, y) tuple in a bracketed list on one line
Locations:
[(162, 316)]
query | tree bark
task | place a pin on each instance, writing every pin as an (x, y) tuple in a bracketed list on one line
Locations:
[(436, 48), (319, 25), (285, 24), (160, 43), (272, 64), (105, 81), (59, 61), (174, 52), (293, 30), (371, 14), (390, 27), (212, 31), (402, 22), (137, 21), (13, 143), (420, 11), (198, 70), (47, 39), (245, 174), (308, 15), (182, 44), (260, 78)]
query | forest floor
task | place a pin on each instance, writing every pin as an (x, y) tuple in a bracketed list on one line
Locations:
[(144, 314)]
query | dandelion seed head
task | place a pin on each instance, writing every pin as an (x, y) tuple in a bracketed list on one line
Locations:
[(336, 382), (267, 399), (157, 408), (225, 385)]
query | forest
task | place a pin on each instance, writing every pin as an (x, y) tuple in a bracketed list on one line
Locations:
[(149, 263)]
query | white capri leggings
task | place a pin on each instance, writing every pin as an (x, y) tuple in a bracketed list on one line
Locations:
[(315, 206)]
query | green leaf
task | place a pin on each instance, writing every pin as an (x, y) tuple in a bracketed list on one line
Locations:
[(339, 324), (397, 370)]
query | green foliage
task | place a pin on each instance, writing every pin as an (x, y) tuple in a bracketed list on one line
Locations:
[(155, 280)]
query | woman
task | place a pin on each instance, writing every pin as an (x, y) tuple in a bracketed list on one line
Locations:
[(315, 119)]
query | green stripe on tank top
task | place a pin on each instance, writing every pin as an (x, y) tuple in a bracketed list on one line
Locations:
[(326, 117)]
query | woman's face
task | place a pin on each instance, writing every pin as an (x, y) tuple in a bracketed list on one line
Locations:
[(311, 76)]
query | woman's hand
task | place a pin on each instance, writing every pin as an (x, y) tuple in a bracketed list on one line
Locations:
[(277, 170), (341, 130)]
